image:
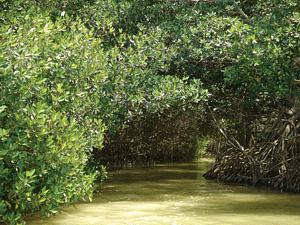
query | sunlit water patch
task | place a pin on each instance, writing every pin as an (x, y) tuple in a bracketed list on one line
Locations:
[(178, 194)]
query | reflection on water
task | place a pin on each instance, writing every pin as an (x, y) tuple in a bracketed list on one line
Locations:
[(178, 194)]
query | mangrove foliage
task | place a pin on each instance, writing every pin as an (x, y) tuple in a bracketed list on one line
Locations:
[(86, 84)]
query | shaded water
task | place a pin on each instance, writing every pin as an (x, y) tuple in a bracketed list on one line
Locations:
[(178, 194)]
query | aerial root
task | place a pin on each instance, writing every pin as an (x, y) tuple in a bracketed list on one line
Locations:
[(272, 161)]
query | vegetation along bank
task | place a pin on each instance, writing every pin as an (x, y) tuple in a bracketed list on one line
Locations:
[(85, 84)]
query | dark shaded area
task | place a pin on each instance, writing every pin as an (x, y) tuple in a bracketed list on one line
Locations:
[(170, 137)]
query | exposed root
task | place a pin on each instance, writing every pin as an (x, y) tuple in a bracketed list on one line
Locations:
[(274, 160)]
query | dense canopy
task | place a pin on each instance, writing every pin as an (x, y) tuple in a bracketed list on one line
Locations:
[(150, 80)]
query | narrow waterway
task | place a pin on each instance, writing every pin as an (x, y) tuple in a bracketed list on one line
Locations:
[(178, 194)]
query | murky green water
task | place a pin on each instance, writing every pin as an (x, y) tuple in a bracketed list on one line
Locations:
[(178, 194)]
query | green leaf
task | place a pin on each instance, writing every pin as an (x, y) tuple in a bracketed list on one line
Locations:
[(30, 173)]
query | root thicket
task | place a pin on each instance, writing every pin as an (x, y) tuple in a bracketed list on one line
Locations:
[(273, 160)]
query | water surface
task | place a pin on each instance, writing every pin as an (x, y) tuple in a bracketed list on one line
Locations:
[(178, 194)]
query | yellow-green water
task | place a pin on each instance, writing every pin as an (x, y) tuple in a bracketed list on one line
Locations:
[(178, 194)]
